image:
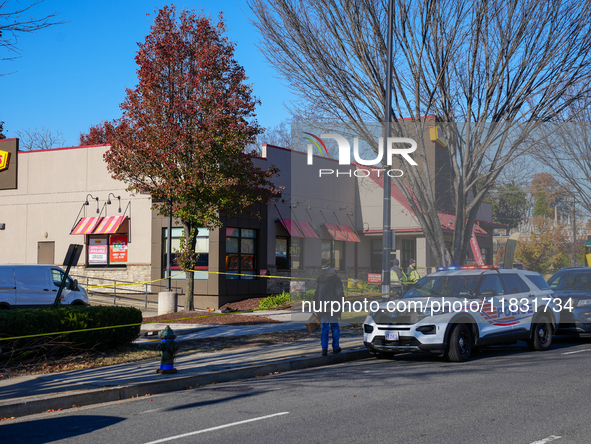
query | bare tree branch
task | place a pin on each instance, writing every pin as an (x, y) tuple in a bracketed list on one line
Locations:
[(489, 72), (16, 19), (40, 139)]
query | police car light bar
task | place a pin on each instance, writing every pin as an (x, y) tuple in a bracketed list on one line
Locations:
[(469, 267)]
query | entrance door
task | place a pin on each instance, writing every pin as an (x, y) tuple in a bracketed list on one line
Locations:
[(46, 253)]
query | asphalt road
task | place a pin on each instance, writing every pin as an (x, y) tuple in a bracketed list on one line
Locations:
[(503, 395)]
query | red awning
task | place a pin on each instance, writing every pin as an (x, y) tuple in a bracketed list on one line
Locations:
[(291, 228), (110, 225), (86, 225), (349, 233), (335, 232), (307, 230)]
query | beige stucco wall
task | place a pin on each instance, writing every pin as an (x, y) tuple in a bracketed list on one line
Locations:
[(370, 210), (52, 186)]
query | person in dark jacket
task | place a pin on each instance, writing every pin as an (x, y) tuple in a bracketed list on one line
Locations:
[(329, 289)]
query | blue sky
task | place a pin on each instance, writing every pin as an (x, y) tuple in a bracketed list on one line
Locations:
[(74, 75)]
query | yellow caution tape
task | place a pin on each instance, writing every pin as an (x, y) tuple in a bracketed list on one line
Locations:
[(180, 319), (209, 272), (169, 321)]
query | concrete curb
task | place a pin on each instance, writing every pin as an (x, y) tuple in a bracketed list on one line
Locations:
[(169, 383)]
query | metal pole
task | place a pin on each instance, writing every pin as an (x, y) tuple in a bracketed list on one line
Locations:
[(146, 288), (168, 250), (575, 258), (386, 231)]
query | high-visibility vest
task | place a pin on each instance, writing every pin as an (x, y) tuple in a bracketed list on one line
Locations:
[(414, 275), (394, 279)]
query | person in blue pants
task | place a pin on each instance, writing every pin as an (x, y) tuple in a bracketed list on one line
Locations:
[(329, 289)]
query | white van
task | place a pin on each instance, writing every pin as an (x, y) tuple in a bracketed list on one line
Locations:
[(30, 286)]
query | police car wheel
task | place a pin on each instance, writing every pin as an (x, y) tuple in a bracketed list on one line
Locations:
[(541, 339), (460, 343)]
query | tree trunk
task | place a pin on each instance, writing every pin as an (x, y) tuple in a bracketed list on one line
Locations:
[(189, 262), (189, 302)]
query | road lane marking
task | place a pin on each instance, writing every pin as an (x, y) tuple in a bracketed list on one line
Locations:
[(548, 439), (211, 429), (578, 351)]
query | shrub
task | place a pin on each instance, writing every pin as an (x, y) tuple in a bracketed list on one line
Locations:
[(27, 322), (307, 296), (274, 301)]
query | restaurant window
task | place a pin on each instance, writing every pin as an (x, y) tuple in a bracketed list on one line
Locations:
[(241, 253), (408, 251), (333, 254), (289, 253), (296, 253), (377, 250), (281, 252), (201, 248), (485, 254), (107, 250)]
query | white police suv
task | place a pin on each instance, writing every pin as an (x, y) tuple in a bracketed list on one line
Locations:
[(450, 312)]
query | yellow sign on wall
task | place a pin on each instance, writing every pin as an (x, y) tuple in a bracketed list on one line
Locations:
[(354, 283), (435, 136), (4, 160)]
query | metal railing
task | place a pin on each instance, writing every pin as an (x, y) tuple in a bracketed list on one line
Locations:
[(122, 290)]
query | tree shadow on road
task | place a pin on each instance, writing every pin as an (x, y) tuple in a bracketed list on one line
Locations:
[(53, 429)]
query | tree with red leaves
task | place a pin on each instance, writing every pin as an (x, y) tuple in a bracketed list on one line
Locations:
[(100, 134), (184, 129)]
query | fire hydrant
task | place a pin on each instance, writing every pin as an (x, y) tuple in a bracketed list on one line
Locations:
[(168, 349)]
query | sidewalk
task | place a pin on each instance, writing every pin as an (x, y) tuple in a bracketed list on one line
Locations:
[(187, 332), (27, 395)]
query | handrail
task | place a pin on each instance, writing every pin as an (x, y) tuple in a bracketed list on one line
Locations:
[(80, 278)]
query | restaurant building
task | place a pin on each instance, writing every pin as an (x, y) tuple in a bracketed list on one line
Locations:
[(50, 199)]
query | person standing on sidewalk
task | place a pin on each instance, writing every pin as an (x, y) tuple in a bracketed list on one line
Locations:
[(412, 273), (329, 289), (397, 278)]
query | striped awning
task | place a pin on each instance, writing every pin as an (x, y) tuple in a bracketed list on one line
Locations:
[(335, 232), (349, 233), (307, 230), (110, 225), (291, 227), (86, 225)]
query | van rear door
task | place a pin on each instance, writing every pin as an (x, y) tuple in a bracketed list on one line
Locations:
[(33, 286), (7, 286)]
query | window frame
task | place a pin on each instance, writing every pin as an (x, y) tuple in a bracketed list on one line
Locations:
[(332, 263), (175, 269), (255, 254), (301, 242), (108, 264), (287, 252)]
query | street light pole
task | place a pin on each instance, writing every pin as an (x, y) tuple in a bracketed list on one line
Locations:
[(575, 258), (168, 250), (386, 230)]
